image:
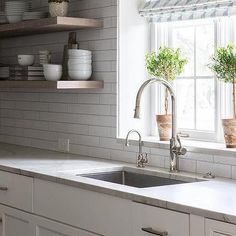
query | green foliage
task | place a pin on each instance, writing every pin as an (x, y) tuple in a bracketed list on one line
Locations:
[(167, 64), (58, 1), (224, 64)]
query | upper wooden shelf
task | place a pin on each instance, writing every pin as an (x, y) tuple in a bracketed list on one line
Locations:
[(47, 25), (88, 84)]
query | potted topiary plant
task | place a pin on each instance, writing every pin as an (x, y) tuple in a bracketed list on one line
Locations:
[(167, 64), (224, 66), (58, 7)]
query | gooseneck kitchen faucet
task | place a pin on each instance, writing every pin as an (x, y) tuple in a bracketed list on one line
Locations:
[(176, 148)]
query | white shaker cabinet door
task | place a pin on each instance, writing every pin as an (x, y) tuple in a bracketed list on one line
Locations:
[(45, 227), (16, 223), (218, 228), (92, 211), (149, 220)]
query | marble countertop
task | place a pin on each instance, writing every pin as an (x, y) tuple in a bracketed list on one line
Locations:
[(214, 199)]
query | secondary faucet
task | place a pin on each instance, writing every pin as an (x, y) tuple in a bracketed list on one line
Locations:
[(176, 148), (142, 159)]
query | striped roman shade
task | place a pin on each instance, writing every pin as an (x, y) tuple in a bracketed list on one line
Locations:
[(174, 10)]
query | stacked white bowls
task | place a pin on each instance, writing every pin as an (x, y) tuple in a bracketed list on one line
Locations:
[(79, 64), (14, 10)]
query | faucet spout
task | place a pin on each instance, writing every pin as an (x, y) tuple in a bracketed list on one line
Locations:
[(175, 144), (173, 100)]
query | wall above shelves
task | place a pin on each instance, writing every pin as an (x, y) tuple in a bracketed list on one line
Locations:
[(88, 84), (47, 25)]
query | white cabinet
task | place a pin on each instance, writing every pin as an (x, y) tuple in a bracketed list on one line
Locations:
[(92, 211), (46, 227), (217, 228), (16, 191), (41, 208), (149, 220), (19, 223), (16, 223)]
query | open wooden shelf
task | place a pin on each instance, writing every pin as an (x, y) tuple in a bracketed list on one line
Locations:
[(47, 25), (88, 84)]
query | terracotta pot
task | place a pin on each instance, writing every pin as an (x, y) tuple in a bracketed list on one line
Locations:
[(229, 126), (58, 8), (164, 123)]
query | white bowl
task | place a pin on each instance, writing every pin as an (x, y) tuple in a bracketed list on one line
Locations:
[(79, 66), (52, 72), (79, 61), (53, 67), (26, 60), (85, 58), (79, 53), (80, 75), (81, 58), (14, 19)]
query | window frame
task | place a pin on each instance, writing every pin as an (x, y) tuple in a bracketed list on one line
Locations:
[(224, 34)]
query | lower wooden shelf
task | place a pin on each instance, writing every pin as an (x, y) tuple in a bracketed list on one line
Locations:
[(88, 84)]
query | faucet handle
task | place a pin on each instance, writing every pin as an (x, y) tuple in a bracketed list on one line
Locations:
[(180, 150), (183, 135), (183, 151)]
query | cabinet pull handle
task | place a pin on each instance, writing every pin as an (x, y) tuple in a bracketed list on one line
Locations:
[(3, 188), (155, 232)]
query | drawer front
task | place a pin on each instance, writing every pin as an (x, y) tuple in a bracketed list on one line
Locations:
[(218, 228), (16, 191), (150, 220), (92, 211)]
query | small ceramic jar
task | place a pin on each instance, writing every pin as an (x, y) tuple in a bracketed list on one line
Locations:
[(58, 8)]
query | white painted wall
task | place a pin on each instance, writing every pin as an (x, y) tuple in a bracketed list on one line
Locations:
[(134, 43)]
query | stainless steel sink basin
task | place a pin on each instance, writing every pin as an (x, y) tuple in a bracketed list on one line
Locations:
[(138, 180)]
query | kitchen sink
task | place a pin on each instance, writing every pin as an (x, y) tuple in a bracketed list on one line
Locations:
[(138, 180)]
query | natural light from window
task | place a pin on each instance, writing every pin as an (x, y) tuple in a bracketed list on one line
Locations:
[(199, 94), (196, 86)]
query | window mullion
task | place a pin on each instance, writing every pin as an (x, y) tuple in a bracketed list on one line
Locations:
[(195, 82)]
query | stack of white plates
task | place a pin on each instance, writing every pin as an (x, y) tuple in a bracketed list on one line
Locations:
[(14, 10), (79, 64), (34, 15), (4, 72)]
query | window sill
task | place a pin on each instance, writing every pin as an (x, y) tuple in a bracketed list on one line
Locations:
[(211, 148)]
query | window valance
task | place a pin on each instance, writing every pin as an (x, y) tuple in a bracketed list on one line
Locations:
[(174, 10)]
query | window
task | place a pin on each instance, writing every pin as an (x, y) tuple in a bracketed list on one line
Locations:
[(199, 95)]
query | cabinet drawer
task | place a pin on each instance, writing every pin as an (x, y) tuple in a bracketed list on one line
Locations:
[(218, 228), (150, 220), (92, 211), (16, 191)]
